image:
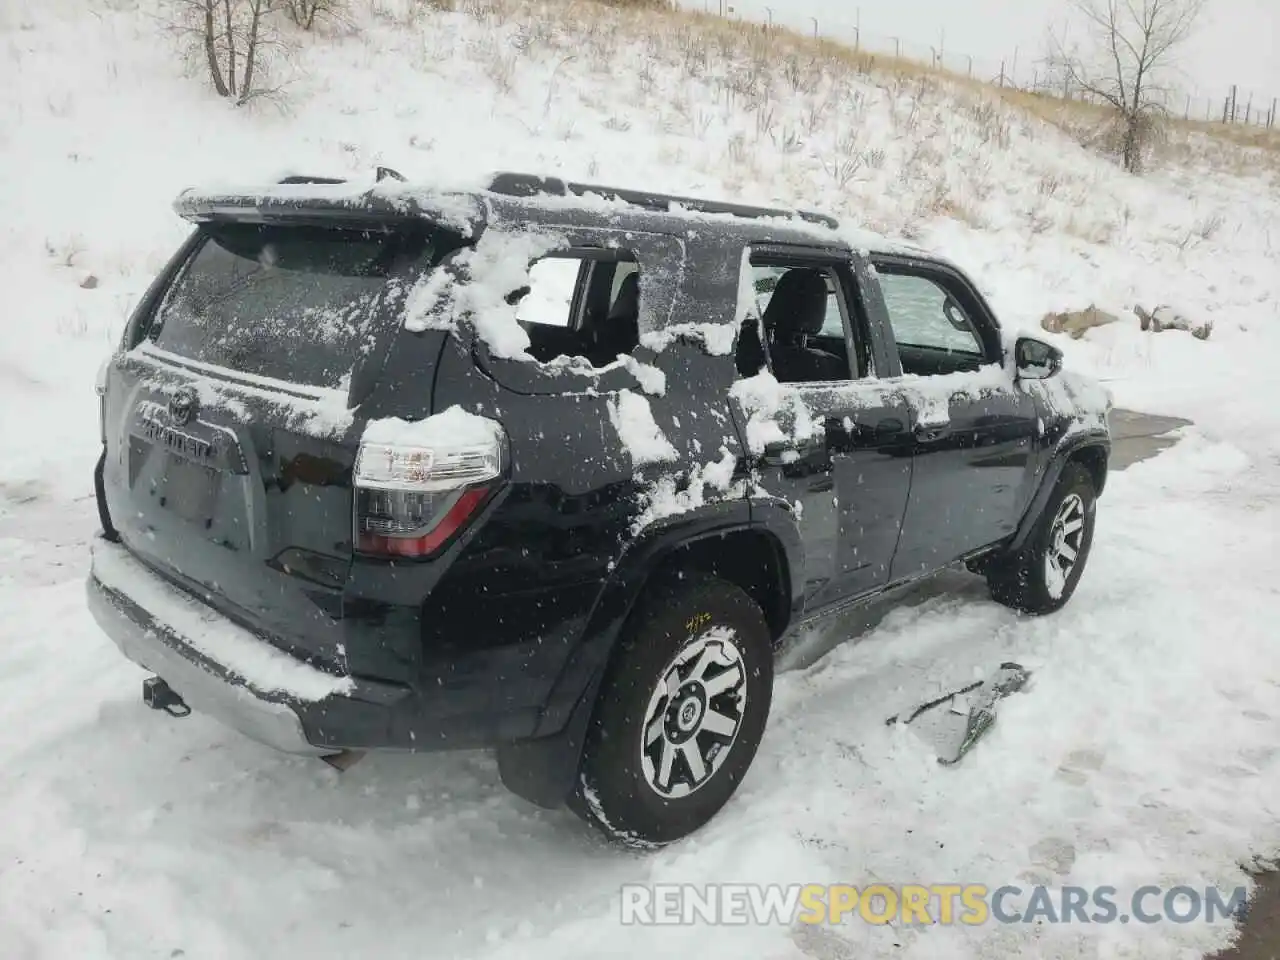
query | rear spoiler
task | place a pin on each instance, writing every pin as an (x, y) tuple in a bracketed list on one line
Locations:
[(327, 201)]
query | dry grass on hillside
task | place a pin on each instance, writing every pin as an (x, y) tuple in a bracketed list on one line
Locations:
[(891, 144), (733, 37)]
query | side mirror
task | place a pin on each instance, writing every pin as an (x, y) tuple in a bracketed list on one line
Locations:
[(955, 316), (1035, 359)]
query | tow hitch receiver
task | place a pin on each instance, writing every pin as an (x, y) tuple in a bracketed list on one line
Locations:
[(158, 695)]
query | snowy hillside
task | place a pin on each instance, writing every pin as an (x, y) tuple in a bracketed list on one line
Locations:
[(1147, 748)]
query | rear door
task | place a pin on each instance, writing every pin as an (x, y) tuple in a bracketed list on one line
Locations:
[(230, 438), (847, 477)]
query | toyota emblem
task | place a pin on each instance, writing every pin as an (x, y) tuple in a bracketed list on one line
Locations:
[(182, 406)]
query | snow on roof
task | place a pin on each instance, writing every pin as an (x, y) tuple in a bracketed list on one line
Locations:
[(784, 227), (602, 205), (467, 205)]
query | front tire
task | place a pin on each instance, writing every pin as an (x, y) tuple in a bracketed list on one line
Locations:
[(1042, 577), (680, 715)]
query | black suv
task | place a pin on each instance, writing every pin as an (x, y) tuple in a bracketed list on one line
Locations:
[(554, 468)]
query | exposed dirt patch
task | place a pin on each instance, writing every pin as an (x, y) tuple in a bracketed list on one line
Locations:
[(1260, 932)]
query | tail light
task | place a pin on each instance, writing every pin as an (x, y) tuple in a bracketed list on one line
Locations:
[(414, 494)]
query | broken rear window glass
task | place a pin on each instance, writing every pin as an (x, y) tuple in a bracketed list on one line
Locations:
[(290, 302)]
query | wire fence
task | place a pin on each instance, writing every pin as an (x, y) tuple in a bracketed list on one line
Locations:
[(1021, 70)]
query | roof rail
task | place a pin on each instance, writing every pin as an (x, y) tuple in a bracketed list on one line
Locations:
[(531, 185), (303, 178), (380, 174)]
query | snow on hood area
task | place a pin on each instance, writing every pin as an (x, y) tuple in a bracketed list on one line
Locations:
[(1145, 750)]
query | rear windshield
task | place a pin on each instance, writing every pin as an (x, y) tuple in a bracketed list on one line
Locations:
[(290, 302)]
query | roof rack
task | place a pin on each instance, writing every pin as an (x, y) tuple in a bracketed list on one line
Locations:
[(531, 185)]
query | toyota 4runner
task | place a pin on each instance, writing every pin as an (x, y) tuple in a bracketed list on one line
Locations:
[(553, 468)]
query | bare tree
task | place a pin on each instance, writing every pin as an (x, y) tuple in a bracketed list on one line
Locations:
[(232, 38), (304, 12), (1125, 64)]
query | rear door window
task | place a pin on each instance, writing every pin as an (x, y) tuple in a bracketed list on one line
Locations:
[(288, 302), (582, 304), (552, 285)]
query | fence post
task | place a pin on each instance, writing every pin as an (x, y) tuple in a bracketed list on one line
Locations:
[(1186, 114), (1001, 73), (1234, 92), (1271, 120)]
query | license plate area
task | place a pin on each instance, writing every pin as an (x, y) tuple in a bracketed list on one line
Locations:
[(190, 490)]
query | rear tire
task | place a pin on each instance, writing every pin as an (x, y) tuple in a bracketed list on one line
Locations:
[(680, 714), (1042, 577)]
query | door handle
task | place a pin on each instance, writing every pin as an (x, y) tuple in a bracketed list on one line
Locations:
[(849, 434), (776, 454), (786, 453), (797, 457), (929, 432), (889, 427)]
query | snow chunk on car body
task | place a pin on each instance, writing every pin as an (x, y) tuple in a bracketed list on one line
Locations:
[(640, 434), (451, 427), (477, 283), (672, 495), (314, 411), (777, 413)]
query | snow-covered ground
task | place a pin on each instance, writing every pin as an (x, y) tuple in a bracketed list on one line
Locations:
[(1146, 746)]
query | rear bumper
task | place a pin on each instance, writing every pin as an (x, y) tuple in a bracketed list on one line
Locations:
[(204, 687), (225, 671), (232, 674)]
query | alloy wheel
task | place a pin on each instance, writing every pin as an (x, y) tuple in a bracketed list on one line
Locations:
[(1066, 535), (694, 715)]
